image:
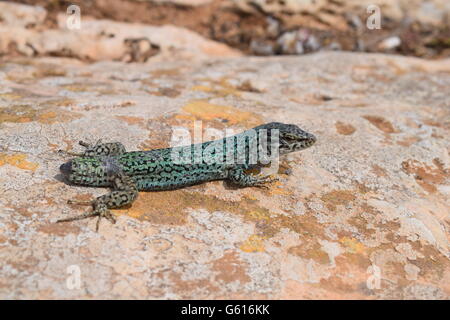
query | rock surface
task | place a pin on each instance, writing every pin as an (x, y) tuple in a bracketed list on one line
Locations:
[(362, 214), (20, 15)]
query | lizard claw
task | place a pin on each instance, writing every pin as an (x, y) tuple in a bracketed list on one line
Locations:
[(264, 181), (101, 212), (105, 214)]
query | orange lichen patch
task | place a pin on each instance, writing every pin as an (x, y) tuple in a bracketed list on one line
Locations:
[(19, 161), (57, 103), (381, 123), (48, 70), (285, 168), (24, 211), (202, 88), (220, 88), (203, 110), (172, 207), (166, 92), (132, 120), (258, 215), (24, 264), (433, 123), (306, 226), (396, 68), (277, 188), (50, 117), (17, 113), (344, 289), (265, 229), (26, 113), (153, 206), (254, 243), (352, 245), (408, 141), (353, 104), (350, 262), (338, 197), (426, 176), (361, 224), (250, 196), (362, 188), (230, 268), (310, 250), (379, 171), (184, 288), (248, 87), (76, 87), (3, 240), (59, 229), (10, 96), (164, 73), (161, 208), (345, 128), (81, 197), (432, 263)]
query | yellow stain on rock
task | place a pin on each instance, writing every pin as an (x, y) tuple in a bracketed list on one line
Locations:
[(254, 243), (10, 96), (352, 245), (223, 88), (278, 188), (132, 120), (19, 161), (202, 88), (338, 197), (258, 215), (203, 110), (26, 113)]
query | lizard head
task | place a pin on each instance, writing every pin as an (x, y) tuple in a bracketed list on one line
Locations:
[(93, 171), (291, 137)]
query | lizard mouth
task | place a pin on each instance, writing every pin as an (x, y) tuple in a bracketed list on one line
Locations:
[(66, 168)]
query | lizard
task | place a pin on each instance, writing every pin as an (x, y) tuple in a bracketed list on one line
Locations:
[(127, 173)]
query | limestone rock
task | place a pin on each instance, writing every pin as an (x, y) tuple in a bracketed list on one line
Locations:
[(364, 213), (20, 15), (109, 40)]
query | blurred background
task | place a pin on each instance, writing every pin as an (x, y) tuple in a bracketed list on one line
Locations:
[(254, 27)]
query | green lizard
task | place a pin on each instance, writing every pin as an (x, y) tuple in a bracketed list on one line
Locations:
[(109, 165)]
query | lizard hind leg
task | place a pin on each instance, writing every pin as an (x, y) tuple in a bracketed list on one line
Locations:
[(124, 192)]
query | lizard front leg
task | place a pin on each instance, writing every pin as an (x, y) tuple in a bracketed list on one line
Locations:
[(240, 178), (124, 192), (99, 149)]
